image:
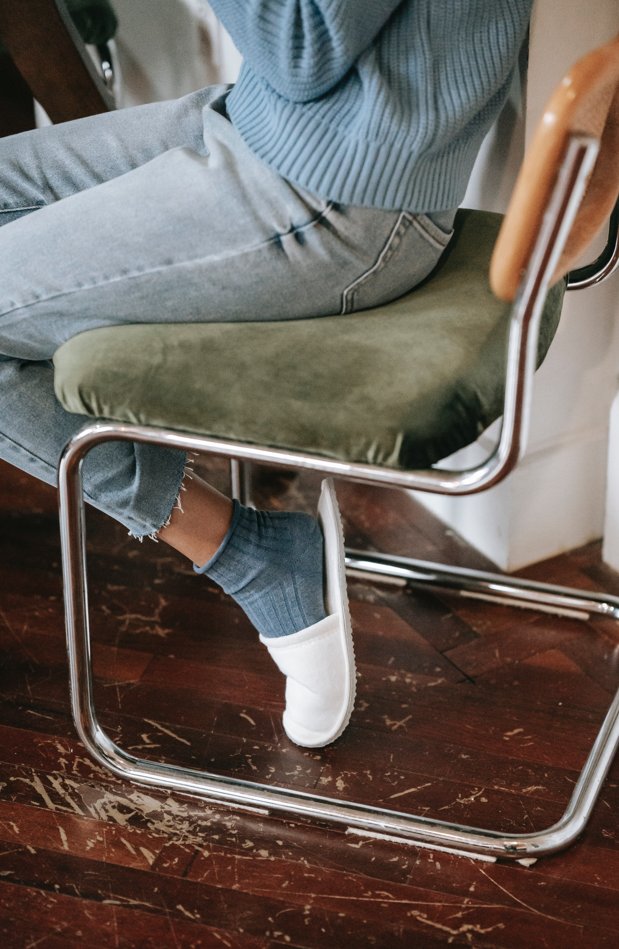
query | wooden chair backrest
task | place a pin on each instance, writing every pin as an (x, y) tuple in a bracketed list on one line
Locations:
[(586, 101)]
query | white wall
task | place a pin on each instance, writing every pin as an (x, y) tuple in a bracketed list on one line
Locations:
[(166, 48)]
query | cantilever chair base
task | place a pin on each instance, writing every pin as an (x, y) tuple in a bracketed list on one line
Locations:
[(360, 818)]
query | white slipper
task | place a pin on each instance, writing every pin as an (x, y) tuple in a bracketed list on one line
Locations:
[(319, 661)]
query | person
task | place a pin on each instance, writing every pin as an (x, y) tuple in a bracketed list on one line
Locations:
[(324, 181)]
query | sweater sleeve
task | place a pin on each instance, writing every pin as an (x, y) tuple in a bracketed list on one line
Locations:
[(302, 48)]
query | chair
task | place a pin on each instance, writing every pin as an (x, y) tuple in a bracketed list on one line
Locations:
[(415, 380), (46, 56)]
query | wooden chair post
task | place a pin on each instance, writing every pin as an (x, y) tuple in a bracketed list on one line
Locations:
[(44, 48)]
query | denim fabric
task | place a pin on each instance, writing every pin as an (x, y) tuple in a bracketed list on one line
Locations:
[(162, 214)]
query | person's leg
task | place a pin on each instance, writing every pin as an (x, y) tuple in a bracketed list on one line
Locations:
[(141, 481), (37, 170), (37, 317), (203, 231), (137, 484), (40, 167)]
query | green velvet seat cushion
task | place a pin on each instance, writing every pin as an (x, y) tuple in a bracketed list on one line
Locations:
[(402, 385)]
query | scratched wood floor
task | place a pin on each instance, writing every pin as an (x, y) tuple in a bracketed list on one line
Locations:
[(467, 711)]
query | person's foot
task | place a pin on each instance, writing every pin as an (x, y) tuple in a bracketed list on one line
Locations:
[(289, 577), (319, 661)]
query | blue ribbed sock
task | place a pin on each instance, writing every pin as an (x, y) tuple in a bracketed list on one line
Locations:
[(271, 563)]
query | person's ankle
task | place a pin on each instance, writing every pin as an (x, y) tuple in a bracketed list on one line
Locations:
[(271, 563)]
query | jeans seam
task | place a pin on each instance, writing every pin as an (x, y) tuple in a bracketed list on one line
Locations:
[(146, 272), (22, 207), (53, 469), (29, 452)]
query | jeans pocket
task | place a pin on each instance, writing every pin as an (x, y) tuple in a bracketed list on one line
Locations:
[(409, 254), (436, 228)]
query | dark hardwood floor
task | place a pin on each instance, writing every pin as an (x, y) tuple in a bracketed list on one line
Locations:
[(479, 713)]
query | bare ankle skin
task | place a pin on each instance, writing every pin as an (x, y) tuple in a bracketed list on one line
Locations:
[(197, 528)]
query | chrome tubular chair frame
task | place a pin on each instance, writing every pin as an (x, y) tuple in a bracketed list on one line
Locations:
[(606, 263), (361, 818)]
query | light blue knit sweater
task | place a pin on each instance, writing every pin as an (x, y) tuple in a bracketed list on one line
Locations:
[(382, 103)]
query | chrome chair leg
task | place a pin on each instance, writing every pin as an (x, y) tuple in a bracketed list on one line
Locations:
[(476, 584), (240, 481), (357, 817)]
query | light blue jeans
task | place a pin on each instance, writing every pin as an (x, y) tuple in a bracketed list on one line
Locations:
[(162, 214)]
